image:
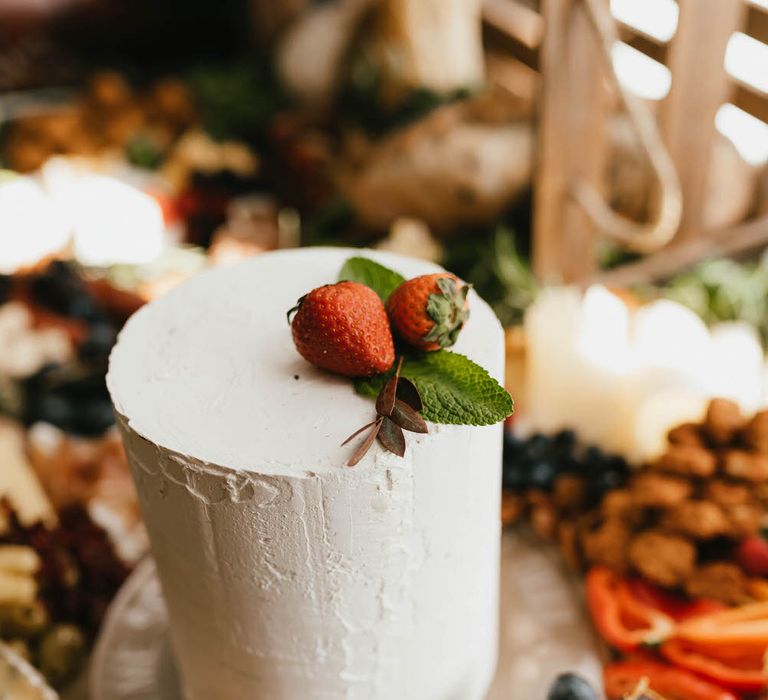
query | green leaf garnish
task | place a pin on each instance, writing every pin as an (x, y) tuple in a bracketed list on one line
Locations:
[(380, 279), (454, 389)]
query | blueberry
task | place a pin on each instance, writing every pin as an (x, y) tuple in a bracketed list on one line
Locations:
[(570, 465), (52, 408), (542, 473), (616, 464), (570, 686), (98, 342), (514, 476), (604, 481), (513, 447), (537, 446), (90, 386), (593, 458), (565, 440), (93, 417), (82, 307)]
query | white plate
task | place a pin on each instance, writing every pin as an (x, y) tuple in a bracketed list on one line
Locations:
[(544, 631)]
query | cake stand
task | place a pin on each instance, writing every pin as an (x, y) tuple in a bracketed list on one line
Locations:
[(544, 630)]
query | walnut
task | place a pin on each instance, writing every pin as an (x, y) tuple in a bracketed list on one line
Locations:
[(617, 503), (687, 460), (664, 559), (723, 421), (755, 432), (511, 507), (658, 490), (760, 494), (721, 581), (569, 543), (700, 520), (744, 519), (727, 493), (741, 464), (569, 493), (544, 520), (607, 543), (686, 434)]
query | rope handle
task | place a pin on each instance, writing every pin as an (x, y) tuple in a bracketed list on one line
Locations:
[(642, 238)]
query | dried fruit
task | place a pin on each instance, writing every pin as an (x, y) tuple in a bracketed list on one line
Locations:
[(428, 312), (343, 328)]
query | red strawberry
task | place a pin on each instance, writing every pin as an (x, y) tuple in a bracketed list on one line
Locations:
[(343, 328), (428, 312), (752, 555)]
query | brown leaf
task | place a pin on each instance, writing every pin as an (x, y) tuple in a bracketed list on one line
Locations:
[(366, 444), (360, 430), (407, 391), (385, 401), (391, 437), (407, 418)]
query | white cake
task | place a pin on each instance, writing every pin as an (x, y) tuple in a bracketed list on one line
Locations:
[(288, 575)]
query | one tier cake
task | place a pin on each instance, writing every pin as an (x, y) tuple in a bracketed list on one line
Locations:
[(289, 575)]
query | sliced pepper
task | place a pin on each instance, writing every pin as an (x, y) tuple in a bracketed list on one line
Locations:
[(622, 677), (737, 668), (744, 626), (624, 621), (677, 606)]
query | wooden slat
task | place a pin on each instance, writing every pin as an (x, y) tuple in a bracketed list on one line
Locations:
[(750, 100), (515, 28), (757, 23), (651, 47), (699, 86), (572, 142), (728, 242)]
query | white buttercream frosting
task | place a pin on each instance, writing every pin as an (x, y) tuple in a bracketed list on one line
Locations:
[(287, 574)]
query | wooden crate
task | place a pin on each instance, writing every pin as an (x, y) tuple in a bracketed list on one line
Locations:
[(563, 44)]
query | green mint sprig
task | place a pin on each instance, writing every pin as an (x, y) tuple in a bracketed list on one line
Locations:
[(380, 279), (453, 388)]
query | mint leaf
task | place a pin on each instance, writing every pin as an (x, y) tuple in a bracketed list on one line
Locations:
[(380, 279), (454, 389)]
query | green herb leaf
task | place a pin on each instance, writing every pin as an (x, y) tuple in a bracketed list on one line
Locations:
[(380, 279), (454, 389)]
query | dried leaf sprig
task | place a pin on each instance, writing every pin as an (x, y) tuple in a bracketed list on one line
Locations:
[(398, 407)]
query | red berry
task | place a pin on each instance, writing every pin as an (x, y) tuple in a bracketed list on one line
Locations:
[(752, 555), (428, 312), (344, 328)]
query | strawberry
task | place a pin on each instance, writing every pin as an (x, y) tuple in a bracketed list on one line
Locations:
[(428, 312), (752, 555), (343, 328)]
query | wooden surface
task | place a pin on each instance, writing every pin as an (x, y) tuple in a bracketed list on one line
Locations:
[(545, 628), (731, 242), (699, 86), (572, 144)]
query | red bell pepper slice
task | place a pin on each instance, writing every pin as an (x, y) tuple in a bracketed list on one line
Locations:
[(622, 677), (624, 621), (677, 606), (739, 668)]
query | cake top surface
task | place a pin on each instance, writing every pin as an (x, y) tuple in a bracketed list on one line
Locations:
[(210, 370)]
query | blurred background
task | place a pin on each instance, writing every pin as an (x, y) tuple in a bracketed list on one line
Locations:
[(596, 169)]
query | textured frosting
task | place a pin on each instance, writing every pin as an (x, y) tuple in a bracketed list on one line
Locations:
[(288, 575)]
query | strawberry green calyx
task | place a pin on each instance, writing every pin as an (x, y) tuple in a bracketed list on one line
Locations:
[(449, 310)]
